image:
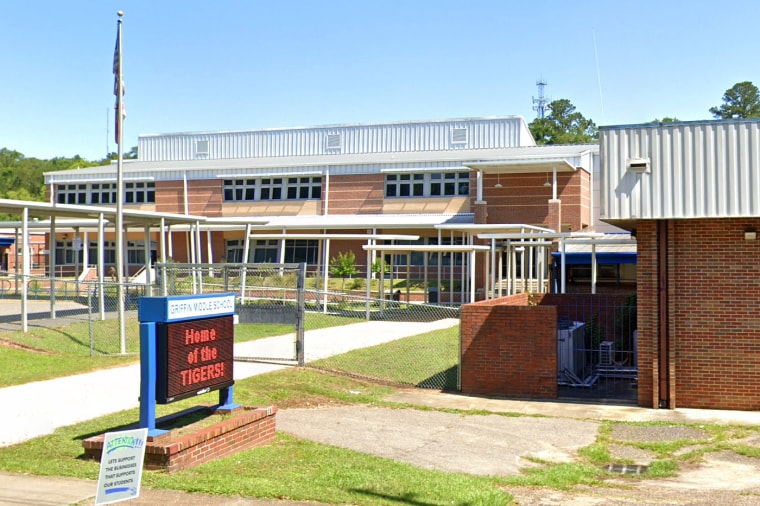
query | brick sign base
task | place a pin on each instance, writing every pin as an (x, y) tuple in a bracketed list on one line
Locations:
[(203, 441)]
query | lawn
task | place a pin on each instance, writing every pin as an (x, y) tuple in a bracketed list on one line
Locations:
[(287, 468), (50, 352), (292, 468)]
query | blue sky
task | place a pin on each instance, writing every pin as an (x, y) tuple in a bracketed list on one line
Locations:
[(247, 64)]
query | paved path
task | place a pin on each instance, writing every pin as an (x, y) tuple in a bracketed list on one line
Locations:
[(39, 408)]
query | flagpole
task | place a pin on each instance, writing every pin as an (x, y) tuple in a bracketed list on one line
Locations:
[(120, 189)]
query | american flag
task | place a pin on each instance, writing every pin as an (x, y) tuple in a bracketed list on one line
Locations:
[(117, 76)]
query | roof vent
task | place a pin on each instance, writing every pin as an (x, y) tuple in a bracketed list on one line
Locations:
[(459, 136), (638, 165), (333, 141), (201, 147)]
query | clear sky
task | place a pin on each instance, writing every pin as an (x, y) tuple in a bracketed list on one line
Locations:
[(202, 65)]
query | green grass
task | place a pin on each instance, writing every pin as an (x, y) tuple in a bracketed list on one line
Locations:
[(287, 468), (50, 352), (291, 468), (399, 361), (20, 366)]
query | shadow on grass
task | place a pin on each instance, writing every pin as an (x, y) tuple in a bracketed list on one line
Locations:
[(444, 380), (407, 498)]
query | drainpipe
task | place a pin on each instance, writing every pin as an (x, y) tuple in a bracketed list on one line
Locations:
[(663, 337), (326, 196)]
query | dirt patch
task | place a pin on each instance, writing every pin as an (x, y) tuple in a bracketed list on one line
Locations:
[(656, 433), (18, 346), (312, 402)]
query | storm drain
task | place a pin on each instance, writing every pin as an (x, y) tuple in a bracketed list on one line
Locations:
[(626, 468)]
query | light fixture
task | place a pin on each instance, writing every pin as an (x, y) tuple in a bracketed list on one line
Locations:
[(750, 234), (547, 183), (498, 180)]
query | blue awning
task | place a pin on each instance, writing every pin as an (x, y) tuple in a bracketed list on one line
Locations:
[(602, 258), (6, 241)]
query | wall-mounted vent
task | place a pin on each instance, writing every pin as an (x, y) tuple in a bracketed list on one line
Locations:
[(459, 136), (333, 141), (638, 165), (201, 147)]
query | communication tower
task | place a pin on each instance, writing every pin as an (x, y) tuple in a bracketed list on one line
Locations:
[(540, 104)]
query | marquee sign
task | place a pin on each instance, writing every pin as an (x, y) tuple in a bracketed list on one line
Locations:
[(186, 349), (194, 357)]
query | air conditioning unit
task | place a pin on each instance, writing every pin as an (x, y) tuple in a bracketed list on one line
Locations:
[(570, 348), (606, 353)]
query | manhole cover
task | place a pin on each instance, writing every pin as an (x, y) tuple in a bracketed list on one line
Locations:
[(626, 468)]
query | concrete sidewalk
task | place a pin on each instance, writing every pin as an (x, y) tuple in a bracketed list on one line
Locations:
[(476, 444), (40, 407)]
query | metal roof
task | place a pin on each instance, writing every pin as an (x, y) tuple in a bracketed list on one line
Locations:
[(363, 221), (519, 159), (704, 169), (47, 210)]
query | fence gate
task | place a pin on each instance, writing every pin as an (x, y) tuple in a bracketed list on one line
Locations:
[(269, 302), (597, 349)]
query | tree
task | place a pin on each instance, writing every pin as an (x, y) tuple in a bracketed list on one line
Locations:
[(343, 266), (563, 125), (742, 100), (127, 155), (666, 119)]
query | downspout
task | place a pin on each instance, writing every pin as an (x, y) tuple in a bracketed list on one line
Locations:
[(663, 337), (326, 195)]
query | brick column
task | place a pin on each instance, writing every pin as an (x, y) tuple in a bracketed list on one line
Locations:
[(554, 216), (481, 212)]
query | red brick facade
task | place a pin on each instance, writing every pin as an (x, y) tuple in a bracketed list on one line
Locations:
[(509, 345), (509, 348), (712, 330), (244, 428)]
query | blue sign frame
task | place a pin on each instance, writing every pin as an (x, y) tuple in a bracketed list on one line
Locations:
[(154, 310)]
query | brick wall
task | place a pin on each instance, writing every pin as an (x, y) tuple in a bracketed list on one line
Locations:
[(523, 198), (509, 348), (509, 344), (245, 428), (204, 197), (713, 320), (356, 194)]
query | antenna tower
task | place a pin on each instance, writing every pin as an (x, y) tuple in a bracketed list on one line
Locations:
[(540, 104)]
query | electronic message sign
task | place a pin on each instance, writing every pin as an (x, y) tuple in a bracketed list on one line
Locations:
[(193, 357)]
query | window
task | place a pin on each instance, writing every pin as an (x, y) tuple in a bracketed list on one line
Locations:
[(239, 189), (271, 189), (136, 252), (72, 194), (277, 188), (428, 184), (234, 251), (105, 193), (139, 192), (65, 253), (263, 251), (109, 252), (302, 251), (446, 257)]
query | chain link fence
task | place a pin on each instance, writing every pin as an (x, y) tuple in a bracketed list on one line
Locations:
[(283, 316)]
